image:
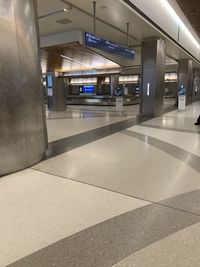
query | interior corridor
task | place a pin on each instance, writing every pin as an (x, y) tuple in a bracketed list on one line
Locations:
[(123, 199)]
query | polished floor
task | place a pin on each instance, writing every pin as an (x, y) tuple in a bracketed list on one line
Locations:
[(116, 190)]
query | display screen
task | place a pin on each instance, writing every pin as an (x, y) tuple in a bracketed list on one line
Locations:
[(105, 45), (49, 81), (119, 91), (86, 89), (181, 91)]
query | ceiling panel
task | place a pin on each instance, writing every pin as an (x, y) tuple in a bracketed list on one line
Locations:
[(73, 57), (191, 9), (114, 15), (113, 12)]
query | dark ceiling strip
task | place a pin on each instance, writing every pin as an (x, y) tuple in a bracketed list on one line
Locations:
[(98, 19), (158, 27)]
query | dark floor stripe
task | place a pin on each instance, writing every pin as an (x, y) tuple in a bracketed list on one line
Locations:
[(171, 128), (66, 144), (188, 158), (188, 202), (111, 241)]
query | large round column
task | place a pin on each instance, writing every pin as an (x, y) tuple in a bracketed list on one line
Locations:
[(23, 139)]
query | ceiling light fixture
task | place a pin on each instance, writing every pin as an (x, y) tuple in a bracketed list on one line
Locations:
[(55, 12), (67, 9), (180, 23)]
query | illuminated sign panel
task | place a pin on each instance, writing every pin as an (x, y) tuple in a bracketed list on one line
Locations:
[(86, 89), (107, 46)]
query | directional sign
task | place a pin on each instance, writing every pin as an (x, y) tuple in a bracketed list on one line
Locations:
[(107, 46)]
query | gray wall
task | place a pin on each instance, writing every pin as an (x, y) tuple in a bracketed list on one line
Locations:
[(23, 139)]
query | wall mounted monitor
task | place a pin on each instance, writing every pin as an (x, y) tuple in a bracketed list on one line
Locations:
[(86, 89), (49, 81)]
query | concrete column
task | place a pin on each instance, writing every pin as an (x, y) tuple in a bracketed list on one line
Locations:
[(23, 136), (153, 72), (114, 82), (56, 92), (100, 85), (196, 85), (185, 78)]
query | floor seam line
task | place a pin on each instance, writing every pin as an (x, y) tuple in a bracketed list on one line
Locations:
[(92, 185), (123, 194)]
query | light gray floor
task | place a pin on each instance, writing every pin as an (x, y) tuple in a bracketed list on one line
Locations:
[(126, 198), (79, 119)]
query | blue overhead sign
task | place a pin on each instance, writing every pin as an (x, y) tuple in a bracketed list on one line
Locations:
[(107, 46)]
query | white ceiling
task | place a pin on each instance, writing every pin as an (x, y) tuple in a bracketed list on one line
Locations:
[(112, 12), (115, 14)]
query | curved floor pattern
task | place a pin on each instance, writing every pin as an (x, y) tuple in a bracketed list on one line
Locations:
[(122, 194), (60, 146), (174, 129), (109, 242), (188, 158)]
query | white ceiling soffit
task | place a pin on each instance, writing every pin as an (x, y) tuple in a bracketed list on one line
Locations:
[(76, 36), (113, 12), (61, 38), (167, 17), (170, 61)]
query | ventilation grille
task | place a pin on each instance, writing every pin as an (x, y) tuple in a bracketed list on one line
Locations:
[(64, 21)]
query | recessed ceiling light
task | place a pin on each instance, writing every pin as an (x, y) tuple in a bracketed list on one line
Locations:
[(66, 9), (56, 12)]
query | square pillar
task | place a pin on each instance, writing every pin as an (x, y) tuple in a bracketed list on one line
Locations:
[(153, 73), (114, 82), (56, 92), (185, 78), (196, 86)]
